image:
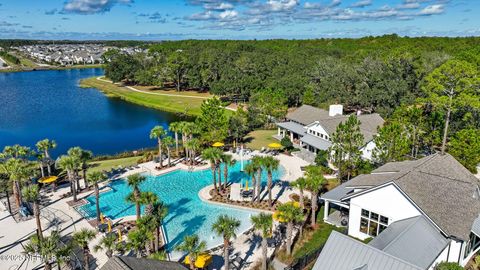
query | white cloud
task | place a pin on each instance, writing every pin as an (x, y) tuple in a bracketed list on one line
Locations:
[(91, 6), (361, 4), (432, 9)]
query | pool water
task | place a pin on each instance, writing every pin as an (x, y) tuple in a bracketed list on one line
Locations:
[(188, 214)]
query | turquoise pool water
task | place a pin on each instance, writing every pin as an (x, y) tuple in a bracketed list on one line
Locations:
[(188, 214)]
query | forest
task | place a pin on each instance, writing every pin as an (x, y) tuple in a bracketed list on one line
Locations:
[(428, 89)]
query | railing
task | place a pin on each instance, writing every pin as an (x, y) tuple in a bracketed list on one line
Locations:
[(304, 261)]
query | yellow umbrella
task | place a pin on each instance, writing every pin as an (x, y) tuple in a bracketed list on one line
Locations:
[(109, 226), (119, 235), (218, 144), (275, 145), (48, 179), (101, 218), (246, 185), (202, 261)]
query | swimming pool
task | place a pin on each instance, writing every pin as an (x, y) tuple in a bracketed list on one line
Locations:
[(188, 214)]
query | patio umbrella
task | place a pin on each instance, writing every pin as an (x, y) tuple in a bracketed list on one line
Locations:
[(246, 185), (202, 261), (218, 144), (109, 226), (119, 235), (275, 145), (48, 179)]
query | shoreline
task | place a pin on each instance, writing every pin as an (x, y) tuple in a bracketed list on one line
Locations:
[(182, 105), (46, 68)]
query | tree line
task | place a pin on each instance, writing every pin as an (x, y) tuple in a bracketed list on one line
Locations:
[(374, 74)]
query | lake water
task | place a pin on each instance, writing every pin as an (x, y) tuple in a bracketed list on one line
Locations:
[(50, 104)]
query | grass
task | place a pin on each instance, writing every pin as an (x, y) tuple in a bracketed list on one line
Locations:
[(183, 105), (260, 138), (112, 163)]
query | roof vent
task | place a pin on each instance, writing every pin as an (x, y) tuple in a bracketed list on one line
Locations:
[(336, 109)]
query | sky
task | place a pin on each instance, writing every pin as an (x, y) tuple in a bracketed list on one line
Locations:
[(235, 19)]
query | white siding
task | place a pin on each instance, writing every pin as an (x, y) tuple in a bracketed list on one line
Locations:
[(367, 150), (387, 201), (317, 129), (455, 251)]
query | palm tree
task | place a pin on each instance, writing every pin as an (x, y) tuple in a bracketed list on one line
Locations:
[(81, 239), (263, 223), (76, 152), (193, 146), (46, 248), (85, 157), (137, 240), (69, 164), (251, 170), (94, 178), (315, 181), (158, 132), (149, 199), (226, 227), (257, 162), (17, 151), (107, 243), (41, 163), (175, 127), (160, 211), (270, 164), (193, 247), (289, 214), (301, 184), (212, 155), (17, 171), (134, 182), (168, 142), (188, 129), (45, 146), (227, 161), (148, 223), (32, 194)]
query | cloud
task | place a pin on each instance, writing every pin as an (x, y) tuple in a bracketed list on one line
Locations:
[(155, 17), (91, 6), (8, 24), (361, 4), (432, 9)]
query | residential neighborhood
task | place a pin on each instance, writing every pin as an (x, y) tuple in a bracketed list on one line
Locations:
[(70, 54)]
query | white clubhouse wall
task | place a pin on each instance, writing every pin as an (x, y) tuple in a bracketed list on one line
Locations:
[(367, 150), (387, 201)]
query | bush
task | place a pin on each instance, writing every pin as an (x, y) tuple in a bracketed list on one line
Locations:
[(286, 143), (322, 158), (448, 266)]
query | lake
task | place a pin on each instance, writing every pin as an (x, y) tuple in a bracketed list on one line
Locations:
[(50, 104)]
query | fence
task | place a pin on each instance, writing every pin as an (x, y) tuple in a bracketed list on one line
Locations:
[(303, 262)]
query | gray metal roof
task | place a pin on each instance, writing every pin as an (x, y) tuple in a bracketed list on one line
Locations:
[(133, 263), (292, 126), (414, 240), (476, 226), (439, 185), (316, 142), (337, 193), (344, 253)]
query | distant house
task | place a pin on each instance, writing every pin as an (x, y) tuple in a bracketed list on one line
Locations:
[(133, 263), (419, 213), (312, 128)]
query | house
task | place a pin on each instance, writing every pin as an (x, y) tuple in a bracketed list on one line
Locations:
[(312, 128), (419, 213), (133, 263)]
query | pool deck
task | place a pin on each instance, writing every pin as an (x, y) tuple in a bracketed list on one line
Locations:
[(57, 214)]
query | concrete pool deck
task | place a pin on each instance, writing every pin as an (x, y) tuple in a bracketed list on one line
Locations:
[(57, 214)]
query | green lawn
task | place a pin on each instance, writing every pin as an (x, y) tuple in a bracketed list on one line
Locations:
[(111, 163), (260, 138), (183, 105)]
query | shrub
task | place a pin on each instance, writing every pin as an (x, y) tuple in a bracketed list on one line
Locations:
[(286, 143), (448, 266)]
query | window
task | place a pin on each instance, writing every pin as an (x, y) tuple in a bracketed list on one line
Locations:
[(372, 223)]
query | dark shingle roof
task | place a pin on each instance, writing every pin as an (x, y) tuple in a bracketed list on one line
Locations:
[(344, 253), (439, 185), (133, 263), (306, 115), (414, 240)]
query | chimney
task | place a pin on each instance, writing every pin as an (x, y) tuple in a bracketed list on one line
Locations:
[(336, 109)]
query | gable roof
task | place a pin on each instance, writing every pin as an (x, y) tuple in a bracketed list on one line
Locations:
[(133, 263), (307, 114), (438, 184), (414, 240), (344, 253)]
